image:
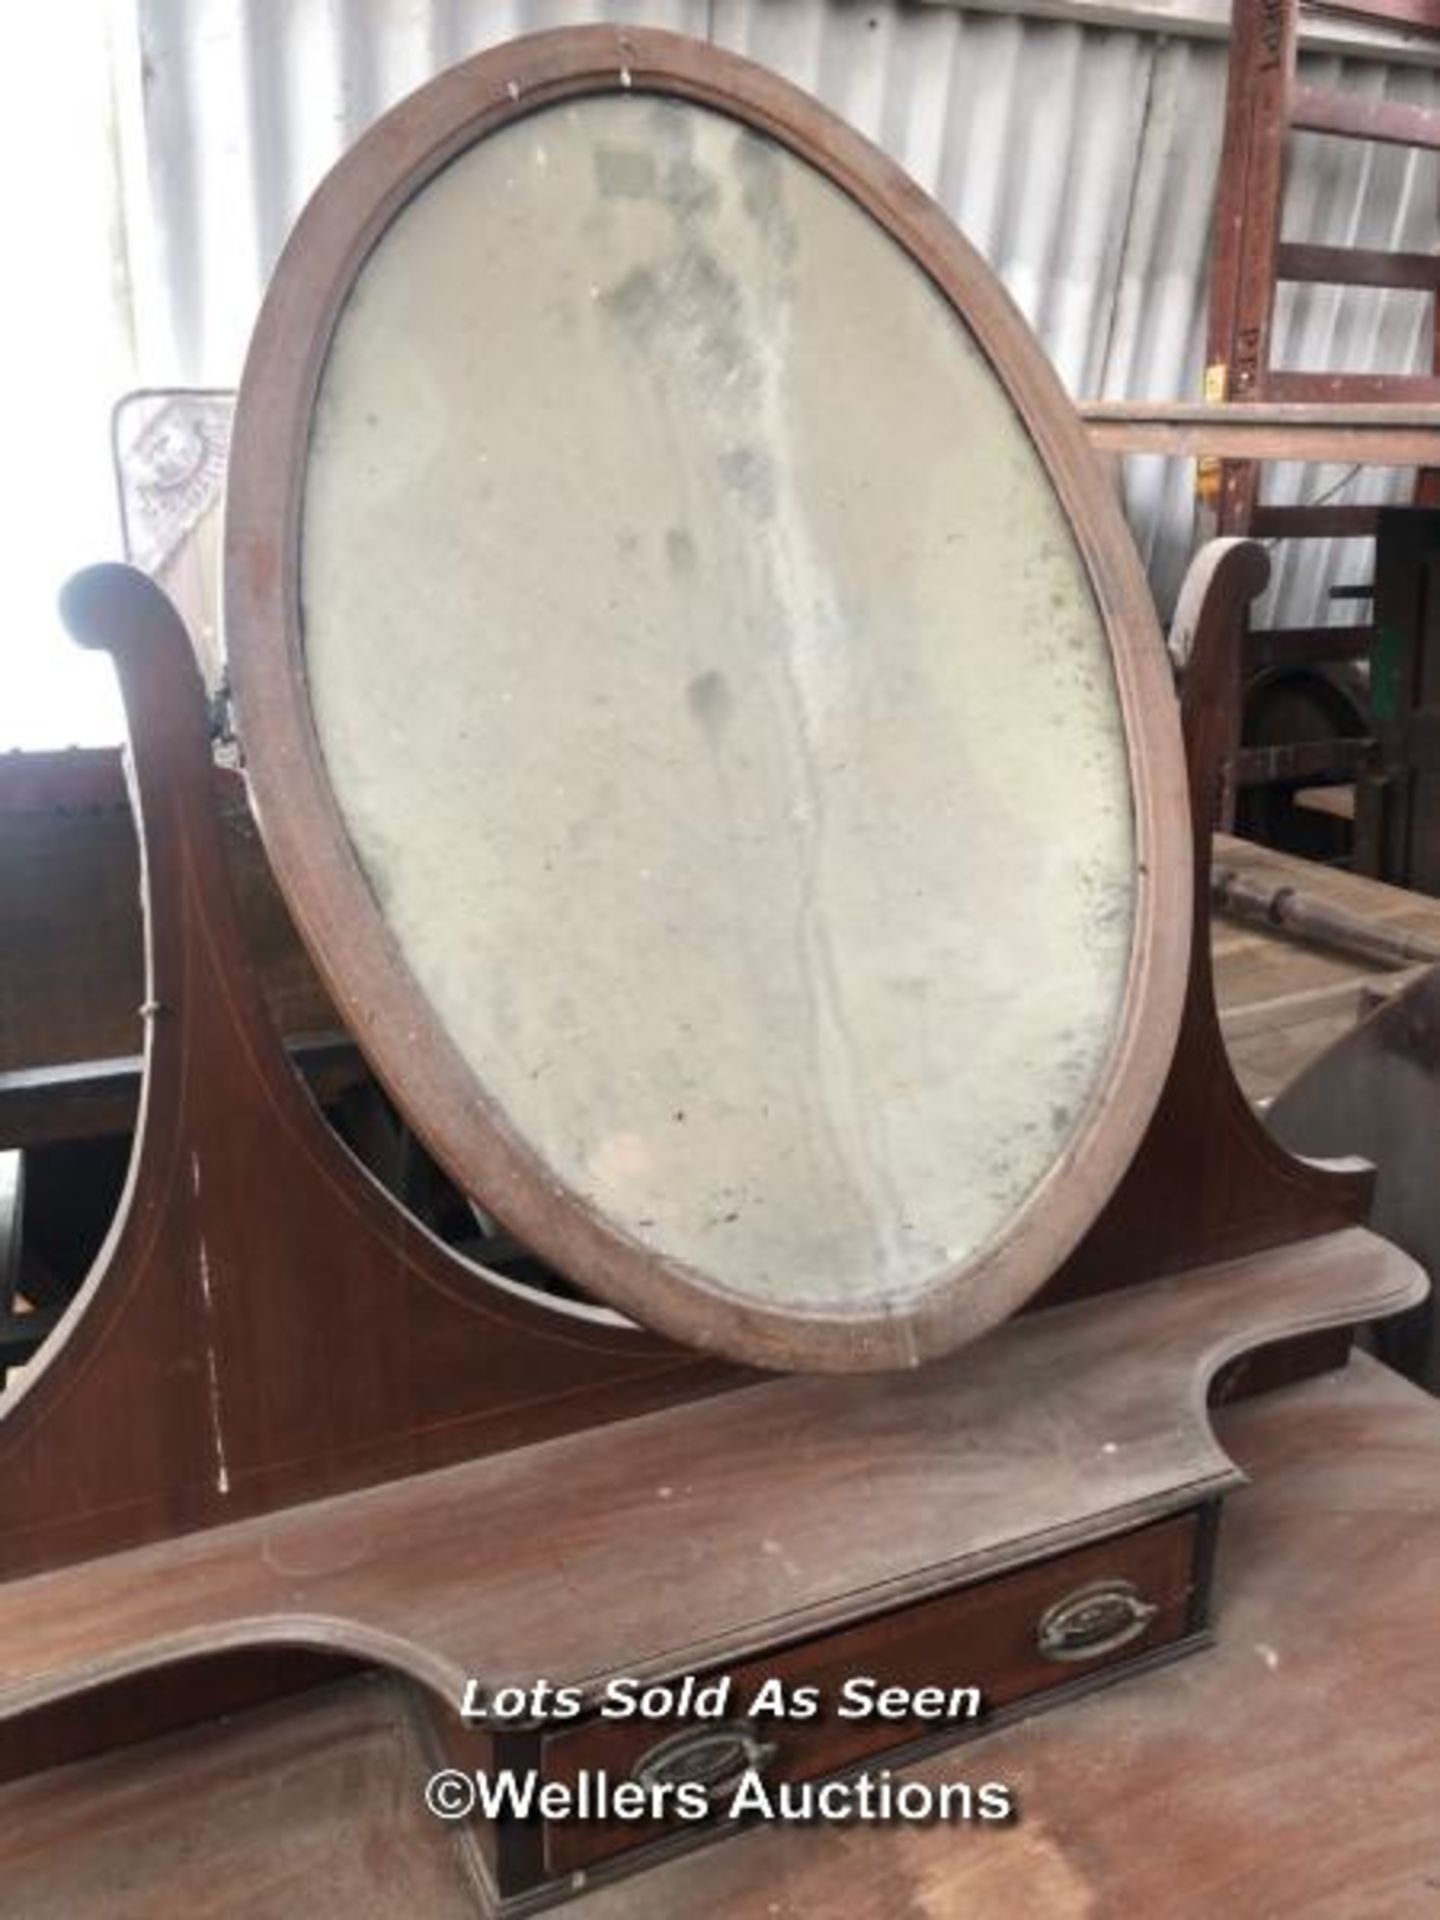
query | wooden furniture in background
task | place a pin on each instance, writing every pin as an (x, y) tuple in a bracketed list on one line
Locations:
[(1265, 104), (1397, 794), (1284, 1000), (72, 966)]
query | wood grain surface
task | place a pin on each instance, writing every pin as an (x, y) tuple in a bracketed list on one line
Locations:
[(1290, 1772), (307, 1808), (740, 1515), (1283, 1001)]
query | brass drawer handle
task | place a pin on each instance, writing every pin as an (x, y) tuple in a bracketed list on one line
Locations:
[(716, 1756), (1093, 1620)]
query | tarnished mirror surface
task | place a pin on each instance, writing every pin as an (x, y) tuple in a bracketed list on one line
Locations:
[(717, 703)]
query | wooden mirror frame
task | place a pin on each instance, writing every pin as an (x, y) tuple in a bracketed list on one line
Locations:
[(305, 834)]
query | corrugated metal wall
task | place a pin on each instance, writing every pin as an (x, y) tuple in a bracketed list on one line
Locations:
[(1080, 160)]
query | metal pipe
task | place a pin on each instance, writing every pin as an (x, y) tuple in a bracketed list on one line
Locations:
[(1303, 917)]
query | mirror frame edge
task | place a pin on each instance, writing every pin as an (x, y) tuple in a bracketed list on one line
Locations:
[(304, 832)]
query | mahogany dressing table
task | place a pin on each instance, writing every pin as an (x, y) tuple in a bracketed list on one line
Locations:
[(707, 718)]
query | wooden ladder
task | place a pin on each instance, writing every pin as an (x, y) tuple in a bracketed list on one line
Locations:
[(1265, 103)]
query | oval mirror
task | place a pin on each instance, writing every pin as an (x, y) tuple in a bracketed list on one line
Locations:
[(703, 705)]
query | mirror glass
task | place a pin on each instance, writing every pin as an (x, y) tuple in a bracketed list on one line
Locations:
[(717, 702)]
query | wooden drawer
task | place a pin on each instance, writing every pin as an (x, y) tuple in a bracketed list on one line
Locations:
[(985, 1636)]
